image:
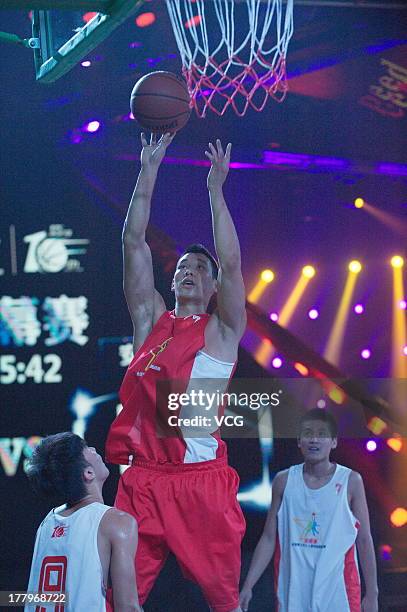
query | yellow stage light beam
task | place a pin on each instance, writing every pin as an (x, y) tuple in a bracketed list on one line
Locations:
[(334, 344), (359, 203), (394, 222), (266, 350), (266, 277), (399, 361), (398, 371)]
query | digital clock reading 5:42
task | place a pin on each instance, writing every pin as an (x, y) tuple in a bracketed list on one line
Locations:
[(39, 369)]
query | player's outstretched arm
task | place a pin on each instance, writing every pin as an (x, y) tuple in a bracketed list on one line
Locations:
[(231, 292), (364, 542), (264, 550), (144, 303), (121, 530)]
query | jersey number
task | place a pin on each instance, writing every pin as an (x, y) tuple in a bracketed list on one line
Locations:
[(52, 579)]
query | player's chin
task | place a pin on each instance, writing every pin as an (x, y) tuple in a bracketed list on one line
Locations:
[(187, 291), (312, 456)]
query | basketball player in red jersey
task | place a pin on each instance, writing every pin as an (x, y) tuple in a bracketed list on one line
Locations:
[(179, 487), (83, 543)]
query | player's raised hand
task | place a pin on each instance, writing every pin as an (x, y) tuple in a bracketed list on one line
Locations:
[(153, 153), (220, 161)]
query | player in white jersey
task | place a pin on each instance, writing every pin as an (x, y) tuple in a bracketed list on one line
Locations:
[(318, 513), (83, 546)]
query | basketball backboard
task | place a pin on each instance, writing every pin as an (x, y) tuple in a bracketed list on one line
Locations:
[(61, 38)]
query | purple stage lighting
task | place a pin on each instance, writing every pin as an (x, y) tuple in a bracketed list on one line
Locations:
[(403, 304), (86, 63), (359, 309), (371, 446), (92, 126), (277, 362), (313, 313), (274, 316), (365, 354)]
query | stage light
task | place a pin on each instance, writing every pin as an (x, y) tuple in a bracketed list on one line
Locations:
[(371, 446), (405, 350), (277, 362), (336, 336), (145, 19), (301, 368), (321, 403), (267, 276), (359, 203), (395, 444), (359, 309), (399, 517), (385, 551), (88, 16), (402, 304), (92, 126), (337, 395), (265, 352), (397, 261), (377, 426), (308, 271), (274, 316), (313, 313), (365, 354), (399, 328), (355, 266)]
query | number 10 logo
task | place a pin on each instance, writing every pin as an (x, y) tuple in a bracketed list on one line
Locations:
[(52, 579)]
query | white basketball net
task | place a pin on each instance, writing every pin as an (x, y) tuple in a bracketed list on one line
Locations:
[(225, 68)]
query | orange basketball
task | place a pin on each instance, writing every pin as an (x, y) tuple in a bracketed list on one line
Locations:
[(160, 102)]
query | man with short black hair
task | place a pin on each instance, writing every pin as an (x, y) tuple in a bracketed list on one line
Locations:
[(318, 512), (180, 487), (82, 544)]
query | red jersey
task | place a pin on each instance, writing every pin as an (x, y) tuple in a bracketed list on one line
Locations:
[(171, 355)]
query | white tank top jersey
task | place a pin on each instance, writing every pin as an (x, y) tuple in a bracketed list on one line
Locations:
[(204, 367), (66, 559), (315, 560)]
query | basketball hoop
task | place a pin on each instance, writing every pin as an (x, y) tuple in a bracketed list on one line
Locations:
[(226, 59)]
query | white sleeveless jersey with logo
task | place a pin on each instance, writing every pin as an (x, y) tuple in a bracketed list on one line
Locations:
[(66, 558), (315, 560)]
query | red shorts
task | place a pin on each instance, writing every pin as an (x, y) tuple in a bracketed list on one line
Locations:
[(192, 511)]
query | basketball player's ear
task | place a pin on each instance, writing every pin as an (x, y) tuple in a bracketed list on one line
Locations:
[(89, 474), (334, 443)]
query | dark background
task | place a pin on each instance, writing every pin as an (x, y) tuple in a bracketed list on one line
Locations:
[(285, 218)]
